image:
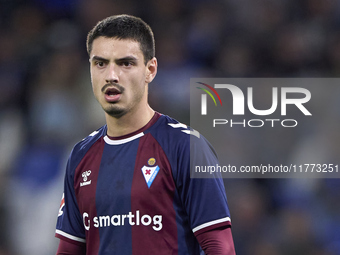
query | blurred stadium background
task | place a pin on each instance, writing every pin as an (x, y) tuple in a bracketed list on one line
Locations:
[(46, 106)]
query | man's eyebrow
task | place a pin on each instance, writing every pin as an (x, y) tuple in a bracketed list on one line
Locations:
[(97, 58), (127, 58)]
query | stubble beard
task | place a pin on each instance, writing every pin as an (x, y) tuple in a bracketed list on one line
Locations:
[(114, 110)]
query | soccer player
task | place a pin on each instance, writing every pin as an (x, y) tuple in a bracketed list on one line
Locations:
[(127, 186)]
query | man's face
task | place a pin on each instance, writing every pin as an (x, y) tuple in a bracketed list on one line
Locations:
[(119, 76)]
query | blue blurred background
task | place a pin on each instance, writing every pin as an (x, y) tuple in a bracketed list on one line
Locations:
[(46, 106)]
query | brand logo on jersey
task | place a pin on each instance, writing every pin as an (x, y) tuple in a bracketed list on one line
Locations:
[(150, 173), (117, 220), (85, 181), (62, 204)]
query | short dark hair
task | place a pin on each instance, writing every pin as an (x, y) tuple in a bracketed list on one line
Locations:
[(125, 27)]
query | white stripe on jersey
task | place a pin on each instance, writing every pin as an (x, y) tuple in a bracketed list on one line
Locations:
[(62, 233), (208, 224)]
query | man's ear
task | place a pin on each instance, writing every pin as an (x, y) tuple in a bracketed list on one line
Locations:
[(151, 70)]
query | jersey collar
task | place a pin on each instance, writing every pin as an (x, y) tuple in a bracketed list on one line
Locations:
[(132, 136)]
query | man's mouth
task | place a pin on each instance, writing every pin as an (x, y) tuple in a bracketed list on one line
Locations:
[(112, 91), (112, 94)]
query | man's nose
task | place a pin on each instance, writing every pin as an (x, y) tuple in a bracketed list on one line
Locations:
[(112, 74)]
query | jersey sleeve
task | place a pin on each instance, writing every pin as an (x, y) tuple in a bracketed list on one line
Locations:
[(204, 199), (69, 223)]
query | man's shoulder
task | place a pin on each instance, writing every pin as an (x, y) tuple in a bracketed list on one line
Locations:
[(91, 138), (80, 148), (170, 130)]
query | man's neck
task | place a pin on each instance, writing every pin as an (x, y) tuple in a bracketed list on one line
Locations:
[(128, 123)]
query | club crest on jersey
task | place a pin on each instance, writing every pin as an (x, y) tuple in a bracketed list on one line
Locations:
[(151, 161), (149, 174), (85, 176)]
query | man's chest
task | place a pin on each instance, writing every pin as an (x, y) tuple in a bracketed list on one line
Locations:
[(116, 180)]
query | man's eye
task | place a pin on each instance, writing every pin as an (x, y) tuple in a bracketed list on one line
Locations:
[(126, 63), (100, 63)]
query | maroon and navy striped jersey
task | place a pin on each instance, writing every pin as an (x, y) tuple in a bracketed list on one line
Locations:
[(134, 194)]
